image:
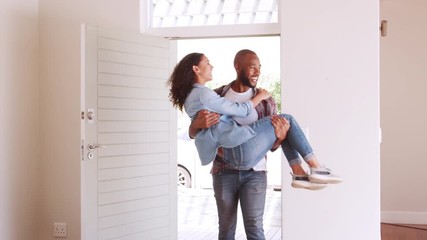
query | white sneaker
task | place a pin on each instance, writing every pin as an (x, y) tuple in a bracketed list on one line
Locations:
[(323, 175), (303, 181)]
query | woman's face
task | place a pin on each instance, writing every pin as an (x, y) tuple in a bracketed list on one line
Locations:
[(203, 71)]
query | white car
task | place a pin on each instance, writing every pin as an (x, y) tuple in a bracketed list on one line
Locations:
[(192, 174), (190, 171)]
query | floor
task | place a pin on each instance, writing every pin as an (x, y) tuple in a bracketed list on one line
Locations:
[(403, 232), (197, 219), (197, 216)]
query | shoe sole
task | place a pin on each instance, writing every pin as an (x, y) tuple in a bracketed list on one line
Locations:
[(324, 179), (309, 186)]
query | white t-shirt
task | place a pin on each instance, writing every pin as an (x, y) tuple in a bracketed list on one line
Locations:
[(253, 117)]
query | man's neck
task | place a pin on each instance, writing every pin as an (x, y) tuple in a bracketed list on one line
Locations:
[(237, 86)]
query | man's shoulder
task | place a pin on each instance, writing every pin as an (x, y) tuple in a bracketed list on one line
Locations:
[(223, 89), (219, 90)]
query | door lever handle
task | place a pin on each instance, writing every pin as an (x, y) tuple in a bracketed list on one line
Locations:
[(95, 146)]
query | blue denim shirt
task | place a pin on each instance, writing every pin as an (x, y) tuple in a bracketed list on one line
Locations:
[(227, 133), (266, 108)]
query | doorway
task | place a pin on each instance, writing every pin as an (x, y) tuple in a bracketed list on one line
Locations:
[(197, 214)]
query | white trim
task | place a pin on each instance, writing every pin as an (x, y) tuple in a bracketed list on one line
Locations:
[(173, 221), (144, 15), (239, 30), (83, 216), (404, 217), (215, 31)]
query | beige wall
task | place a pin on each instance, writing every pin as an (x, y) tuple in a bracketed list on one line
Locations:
[(404, 112), (19, 134), (39, 121), (60, 101)]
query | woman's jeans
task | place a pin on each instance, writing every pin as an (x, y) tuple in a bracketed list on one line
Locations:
[(247, 186), (252, 151)]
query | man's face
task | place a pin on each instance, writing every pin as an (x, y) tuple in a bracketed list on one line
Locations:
[(249, 71)]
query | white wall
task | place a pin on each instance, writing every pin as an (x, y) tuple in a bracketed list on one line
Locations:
[(404, 112), (60, 101), (331, 85), (19, 155)]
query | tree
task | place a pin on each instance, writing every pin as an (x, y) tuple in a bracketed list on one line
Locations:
[(272, 84)]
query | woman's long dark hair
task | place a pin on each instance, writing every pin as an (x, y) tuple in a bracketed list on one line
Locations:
[(182, 79)]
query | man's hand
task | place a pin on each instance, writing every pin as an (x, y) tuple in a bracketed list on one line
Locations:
[(281, 127), (204, 119)]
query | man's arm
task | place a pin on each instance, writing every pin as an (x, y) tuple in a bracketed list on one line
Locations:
[(281, 127), (204, 119)]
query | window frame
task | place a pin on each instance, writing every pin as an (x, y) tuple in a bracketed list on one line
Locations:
[(240, 30)]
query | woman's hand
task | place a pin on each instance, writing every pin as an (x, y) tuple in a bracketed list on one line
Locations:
[(263, 94)]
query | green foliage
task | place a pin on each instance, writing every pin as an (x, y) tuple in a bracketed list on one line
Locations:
[(272, 84)]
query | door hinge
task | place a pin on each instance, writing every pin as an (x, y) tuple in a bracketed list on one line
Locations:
[(82, 149), (383, 28)]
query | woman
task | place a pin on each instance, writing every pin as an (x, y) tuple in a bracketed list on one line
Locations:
[(188, 91)]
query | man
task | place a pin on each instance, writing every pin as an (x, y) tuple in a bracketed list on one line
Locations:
[(247, 186)]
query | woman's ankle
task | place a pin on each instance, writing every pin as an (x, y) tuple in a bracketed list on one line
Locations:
[(297, 169), (313, 163)]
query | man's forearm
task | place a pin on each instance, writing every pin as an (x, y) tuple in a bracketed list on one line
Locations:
[(281, 127), (204, 119), (276, 145)]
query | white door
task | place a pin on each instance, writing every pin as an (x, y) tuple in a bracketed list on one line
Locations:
[(129, 174)]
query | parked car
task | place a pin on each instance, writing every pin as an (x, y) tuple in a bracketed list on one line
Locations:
[(190, 171), (192, 174)]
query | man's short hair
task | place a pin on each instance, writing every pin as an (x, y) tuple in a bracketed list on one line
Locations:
[(241, 54)]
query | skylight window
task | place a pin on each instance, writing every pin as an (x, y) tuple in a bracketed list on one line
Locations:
[(185, 13)]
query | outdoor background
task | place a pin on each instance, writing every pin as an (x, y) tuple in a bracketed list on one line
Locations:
[(221, 52)]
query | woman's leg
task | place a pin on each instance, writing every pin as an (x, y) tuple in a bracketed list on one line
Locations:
[(249, 153), (296, 143), (296, 139)]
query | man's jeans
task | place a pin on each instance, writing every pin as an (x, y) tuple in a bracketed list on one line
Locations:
[(249, 187)]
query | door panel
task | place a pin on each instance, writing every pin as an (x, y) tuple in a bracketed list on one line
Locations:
[(129, 182)]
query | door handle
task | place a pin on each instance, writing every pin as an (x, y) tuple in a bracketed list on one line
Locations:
[(95, 146)]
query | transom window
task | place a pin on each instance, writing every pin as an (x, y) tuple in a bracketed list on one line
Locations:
[(185, 13)]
